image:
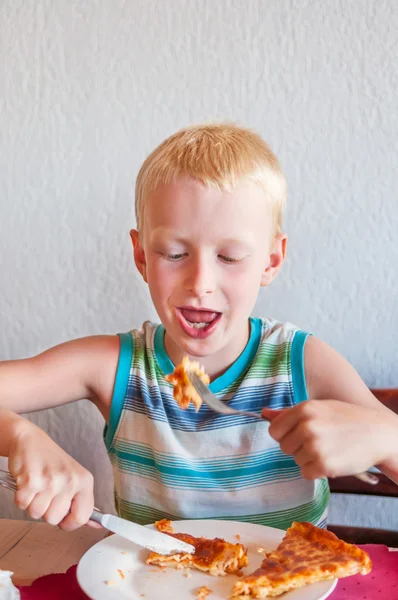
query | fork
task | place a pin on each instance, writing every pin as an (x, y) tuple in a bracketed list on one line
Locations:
[(213, 402), (220, 407)]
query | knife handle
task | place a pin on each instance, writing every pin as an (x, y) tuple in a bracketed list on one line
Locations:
[(96, 516)]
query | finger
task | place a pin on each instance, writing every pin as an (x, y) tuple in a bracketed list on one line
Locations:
[(269, 414), (312, 470), (295, 438), (80, 512), (284, 422), (23, 497), (40, 504), (27, 488), (58, 509), (94, 524), (302, 457)]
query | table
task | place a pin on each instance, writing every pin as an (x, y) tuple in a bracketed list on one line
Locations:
[(31, 549)]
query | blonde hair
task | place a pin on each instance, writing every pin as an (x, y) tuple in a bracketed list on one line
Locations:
[(220, 156)]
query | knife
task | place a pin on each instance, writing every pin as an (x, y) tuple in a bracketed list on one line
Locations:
[(152, 540), (148, 538)]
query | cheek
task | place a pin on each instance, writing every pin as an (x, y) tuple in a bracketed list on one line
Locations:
[(155, 265), (245, 275), (243, 285), (161, 275), (159, 289)]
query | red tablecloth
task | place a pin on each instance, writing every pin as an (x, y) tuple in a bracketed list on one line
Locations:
[(380, 584)]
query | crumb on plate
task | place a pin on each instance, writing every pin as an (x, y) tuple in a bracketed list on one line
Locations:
[(202, 593)]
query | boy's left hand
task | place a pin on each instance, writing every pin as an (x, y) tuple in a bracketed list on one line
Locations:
[(330, 438)]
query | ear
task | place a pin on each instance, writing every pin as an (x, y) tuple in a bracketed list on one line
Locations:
[(275, 259), (139, 254)]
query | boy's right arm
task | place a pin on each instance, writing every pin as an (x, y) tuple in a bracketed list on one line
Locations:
[(51, 484), (83, 368)]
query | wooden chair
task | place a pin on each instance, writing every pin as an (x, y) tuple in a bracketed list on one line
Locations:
[(385, 487)]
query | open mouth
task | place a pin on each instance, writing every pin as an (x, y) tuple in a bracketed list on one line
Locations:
[(198, 323)]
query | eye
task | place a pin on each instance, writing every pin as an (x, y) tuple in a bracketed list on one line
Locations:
[(174, 257), (229, 259)]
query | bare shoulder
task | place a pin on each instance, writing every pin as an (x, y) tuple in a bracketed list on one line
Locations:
[(98, 359), (330, 376)]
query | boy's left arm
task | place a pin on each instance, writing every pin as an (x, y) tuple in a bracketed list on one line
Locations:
[(342, 429)]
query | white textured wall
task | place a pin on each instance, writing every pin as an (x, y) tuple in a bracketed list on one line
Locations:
[(89, 88)]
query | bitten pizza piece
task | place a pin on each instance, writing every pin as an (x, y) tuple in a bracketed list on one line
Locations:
[(214, 556), (184, 392), (306, 554)]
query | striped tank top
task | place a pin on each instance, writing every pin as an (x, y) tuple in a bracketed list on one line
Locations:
[(176, 464)]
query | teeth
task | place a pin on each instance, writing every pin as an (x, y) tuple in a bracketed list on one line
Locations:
[(197, 325)]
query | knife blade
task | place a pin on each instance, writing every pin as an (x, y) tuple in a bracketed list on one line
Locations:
[(152, 540), (148, 538)]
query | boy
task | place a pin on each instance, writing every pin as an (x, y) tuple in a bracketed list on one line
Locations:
[(209, 204)]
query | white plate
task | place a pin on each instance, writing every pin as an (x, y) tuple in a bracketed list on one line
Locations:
[(100, 564)]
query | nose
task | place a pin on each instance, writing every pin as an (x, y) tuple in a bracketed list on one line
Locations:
[(200, 276)]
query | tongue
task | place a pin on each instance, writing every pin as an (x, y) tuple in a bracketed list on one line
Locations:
[(198, 316)]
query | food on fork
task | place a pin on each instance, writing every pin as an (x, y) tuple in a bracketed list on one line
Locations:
[(214, 556), (184, 392), (307, 554)]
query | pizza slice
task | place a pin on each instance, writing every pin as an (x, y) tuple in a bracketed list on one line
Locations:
[(214, 556), (184, 392), (306, 554)]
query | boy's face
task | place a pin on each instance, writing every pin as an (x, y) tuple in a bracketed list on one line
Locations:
[(204, 255)]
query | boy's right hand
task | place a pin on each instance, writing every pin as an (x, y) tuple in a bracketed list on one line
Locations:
[(51, 484)]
